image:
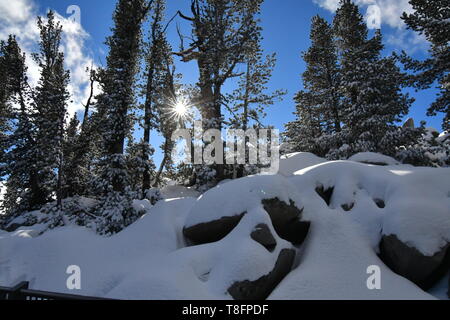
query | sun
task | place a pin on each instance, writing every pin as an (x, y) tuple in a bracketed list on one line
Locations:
[(181, 109)]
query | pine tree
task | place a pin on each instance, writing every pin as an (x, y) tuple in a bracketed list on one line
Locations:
[(5, 106), (50, 103), (74, 175), (222, 33), (81, 147), (432, 19), (370, 85), (118, 84), (352, 98), (136, 166), (158, 56), (168, 119), (18, 160), (304, 132), (319, 105), (118, 81), (249, 101)]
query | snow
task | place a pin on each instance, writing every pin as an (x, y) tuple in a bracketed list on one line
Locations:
[(444, 136), (295, 161), (105, 262), (373, 158), (151, 260), (334, 265), (239, 196), (174, 192), (148, 260), (141, 205), (417, 200)]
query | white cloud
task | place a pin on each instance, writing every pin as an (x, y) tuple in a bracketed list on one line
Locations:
[(333, 5), (385, 12), (18, 17), (388, 11), (330, 5), (15, 11)]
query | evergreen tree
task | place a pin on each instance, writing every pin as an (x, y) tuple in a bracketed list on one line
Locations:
[(18, 160), (370, 85), (432, 19), (168, 118), (249, 101), (5, 105), (136, 166), (118, 81), (303, 133), (50, 104), (319, 105), (74, 170), (81, 149), (352, 98), (158, 55), (223, 31)]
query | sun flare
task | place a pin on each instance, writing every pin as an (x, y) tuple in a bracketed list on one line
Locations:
[(181, 108)]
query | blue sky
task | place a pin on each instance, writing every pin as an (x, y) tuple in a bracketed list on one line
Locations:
[(286, 25)]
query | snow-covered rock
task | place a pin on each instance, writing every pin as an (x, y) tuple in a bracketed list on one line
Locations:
[(416, 200), (425, 271), (239, 196), (220, 210), (415, 209), (374, 158)]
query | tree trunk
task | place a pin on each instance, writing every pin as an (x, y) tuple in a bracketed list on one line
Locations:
[(211, 116), (146, 178), (116, 149), (245, 121), (163, 163), (59, 184)]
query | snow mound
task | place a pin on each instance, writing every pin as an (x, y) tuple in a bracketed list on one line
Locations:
[(374, 158), (295, 161), (148, 260), (350, 206), (105, 263), (335, 262), (239, 196), (416, 201)]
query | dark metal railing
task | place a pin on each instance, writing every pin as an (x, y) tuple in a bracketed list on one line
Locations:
[(21, 292)]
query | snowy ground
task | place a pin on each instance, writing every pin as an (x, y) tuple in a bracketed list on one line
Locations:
[(151, 259)]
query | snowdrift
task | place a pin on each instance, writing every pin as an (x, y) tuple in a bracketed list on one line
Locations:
[(311, 232)]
